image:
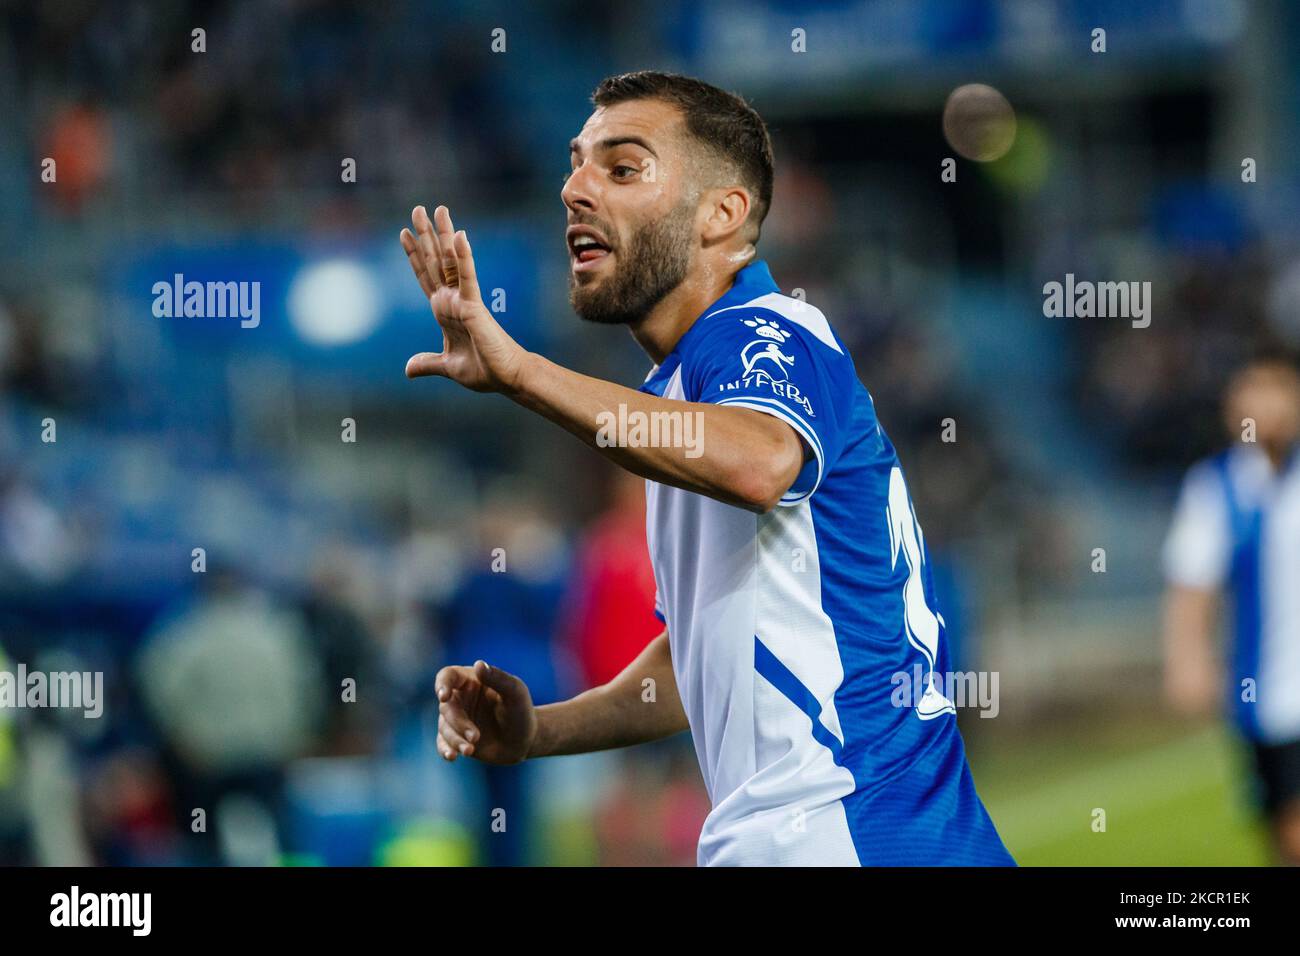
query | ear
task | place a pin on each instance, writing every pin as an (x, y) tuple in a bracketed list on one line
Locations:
[(727, 211)]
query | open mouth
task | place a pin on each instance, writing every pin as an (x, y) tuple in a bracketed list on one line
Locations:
[(587, 247)]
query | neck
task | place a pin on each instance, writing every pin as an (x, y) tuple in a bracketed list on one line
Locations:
[(1277, 452), (664, 325)]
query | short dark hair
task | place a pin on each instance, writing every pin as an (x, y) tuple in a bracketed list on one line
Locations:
[(1269, 353), (1267, 356), (722, 121)]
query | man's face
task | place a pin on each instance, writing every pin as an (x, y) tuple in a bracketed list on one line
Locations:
[(1270, 395), (632, 207)]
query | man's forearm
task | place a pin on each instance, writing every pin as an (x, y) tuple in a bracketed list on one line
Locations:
[(1189, 618), (624, 712), (748, 459)]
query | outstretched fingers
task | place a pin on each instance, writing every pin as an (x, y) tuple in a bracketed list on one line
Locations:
[(416, 258), (428, 247), (445, 237), (465, 267), (443, 262)]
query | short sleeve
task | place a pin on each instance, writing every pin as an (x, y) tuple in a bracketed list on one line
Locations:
[(1198, 549), (760, 359)]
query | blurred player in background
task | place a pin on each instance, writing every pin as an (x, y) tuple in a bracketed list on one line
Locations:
[(791, 571), (1236, 531)]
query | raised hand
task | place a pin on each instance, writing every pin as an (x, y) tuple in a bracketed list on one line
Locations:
[(476, 352), (485, 713)]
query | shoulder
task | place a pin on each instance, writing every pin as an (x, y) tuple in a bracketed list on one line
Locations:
[(1208, 469), (774, 316), (1206, 484), (772, 329), (1208, 474)]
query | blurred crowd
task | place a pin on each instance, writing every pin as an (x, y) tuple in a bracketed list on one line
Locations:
[(1158, 396), (253, 724)]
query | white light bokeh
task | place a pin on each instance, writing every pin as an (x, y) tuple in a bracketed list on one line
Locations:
[(336, 302)]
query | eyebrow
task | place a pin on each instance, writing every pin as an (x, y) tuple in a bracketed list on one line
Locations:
[(611, 142)]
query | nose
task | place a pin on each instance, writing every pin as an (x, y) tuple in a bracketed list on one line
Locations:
[(578, 193)]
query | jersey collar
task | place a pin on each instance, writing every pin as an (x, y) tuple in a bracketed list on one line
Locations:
[(751, 282)]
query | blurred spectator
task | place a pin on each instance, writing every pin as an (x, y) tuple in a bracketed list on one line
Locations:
[(347, 652), (506, 612), (610, 618), (78, 140), (235, 687)]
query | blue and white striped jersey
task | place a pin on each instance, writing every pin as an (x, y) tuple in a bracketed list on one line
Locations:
[(1237, 527), (788, 628)]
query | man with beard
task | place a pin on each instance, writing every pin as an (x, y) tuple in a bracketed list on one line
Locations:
[(791, 572)]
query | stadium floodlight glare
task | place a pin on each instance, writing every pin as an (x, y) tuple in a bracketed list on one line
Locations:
[(334, 302)]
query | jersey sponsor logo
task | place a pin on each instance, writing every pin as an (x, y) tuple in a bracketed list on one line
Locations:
[(764, 364), (766, 349), (787, 390)]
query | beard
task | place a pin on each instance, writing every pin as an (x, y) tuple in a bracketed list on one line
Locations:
[(654, 262)]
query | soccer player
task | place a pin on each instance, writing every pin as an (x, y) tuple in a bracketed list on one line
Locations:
[(1236, 529), (791, 572)]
